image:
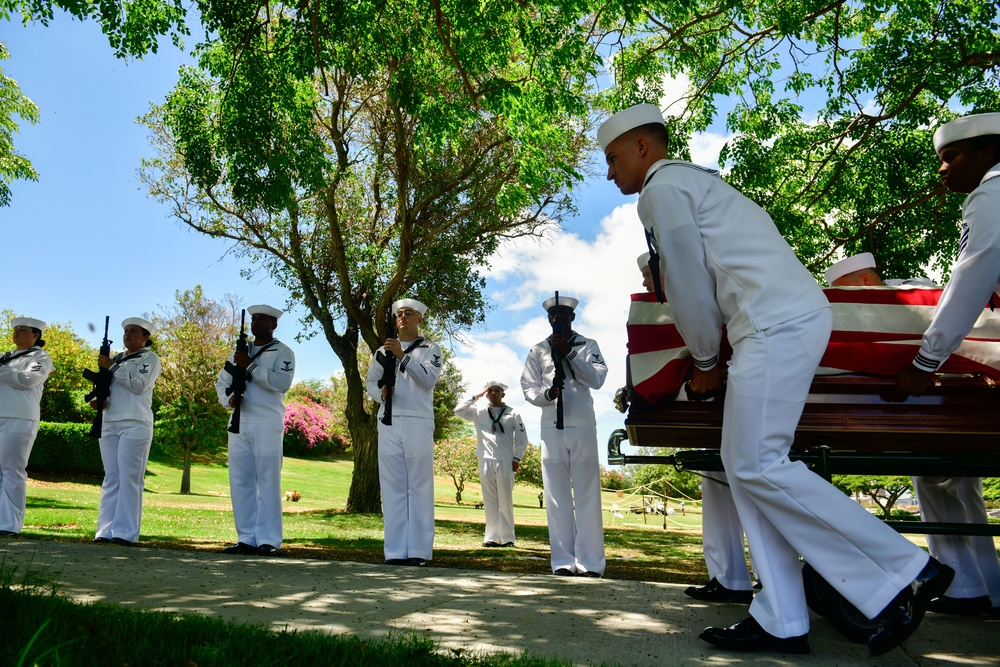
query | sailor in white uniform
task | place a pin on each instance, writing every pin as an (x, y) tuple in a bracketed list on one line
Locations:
[(570, 466), (969, 149), (721, 530), (501, 442), (724, 262), (23, 371), (255, 453), (127, 433), (406, 446)]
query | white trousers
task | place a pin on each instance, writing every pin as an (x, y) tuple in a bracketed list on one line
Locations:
[(572, 482), (786, 509), (255, 458), (974, 559), (124, 452), (722, 534), (16, 438), (497, 480), (406, 475)]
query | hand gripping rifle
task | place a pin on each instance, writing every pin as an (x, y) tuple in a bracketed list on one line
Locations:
[(239, 384), (559, 381), (388, 362), (102, 384)]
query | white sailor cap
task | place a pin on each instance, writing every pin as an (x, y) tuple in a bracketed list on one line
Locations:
[(967, 127), (642, 260), (263, 309), (409, 303), (27, 322), (139, 322), (567, 301), (629, 119), (864, 260), (495, 383)]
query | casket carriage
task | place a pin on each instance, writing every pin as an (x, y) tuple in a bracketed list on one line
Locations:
[(851, 423)]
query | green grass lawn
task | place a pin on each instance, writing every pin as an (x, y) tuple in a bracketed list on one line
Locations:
[(317, 527)]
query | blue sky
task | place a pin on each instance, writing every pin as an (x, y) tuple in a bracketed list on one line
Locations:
[(84, 241)]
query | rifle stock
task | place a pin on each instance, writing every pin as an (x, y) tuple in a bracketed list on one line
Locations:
[(239, 374), (388, 363), (102, 384)]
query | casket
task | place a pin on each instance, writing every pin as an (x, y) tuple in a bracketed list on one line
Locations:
[(851, 423)]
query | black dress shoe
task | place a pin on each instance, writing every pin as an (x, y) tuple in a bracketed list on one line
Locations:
[(902, 616), (747, 636), (240, 548), (102, 540), (397, 561), (491, 544), (592, 575), (7, 533), (713, 591), (961, 606), (416, 562), (506, 545), (267, 550), (564, 572), (121, 542)]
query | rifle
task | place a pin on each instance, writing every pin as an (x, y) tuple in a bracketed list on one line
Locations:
[(239, 384), (388, 363), (102, 384), (559, 381)]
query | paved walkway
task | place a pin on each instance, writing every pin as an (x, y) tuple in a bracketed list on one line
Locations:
[(586, 621)]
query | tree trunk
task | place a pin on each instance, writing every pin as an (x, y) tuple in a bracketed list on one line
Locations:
[(365, 496), (186, 475)]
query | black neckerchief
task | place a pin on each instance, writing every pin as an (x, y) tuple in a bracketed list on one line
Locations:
[(496, 420)]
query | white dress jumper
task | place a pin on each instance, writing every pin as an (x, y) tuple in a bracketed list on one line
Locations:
[(22, 377)]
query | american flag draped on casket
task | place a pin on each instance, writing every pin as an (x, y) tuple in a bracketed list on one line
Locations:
[(875, 331)]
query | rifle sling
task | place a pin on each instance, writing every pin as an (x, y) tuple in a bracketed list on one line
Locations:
[(5, 359)]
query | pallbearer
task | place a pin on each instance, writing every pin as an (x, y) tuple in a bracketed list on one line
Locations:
[(501, 442), (406, 447), (969, 149), (23, 371), (255, 453), (724, 262), (127, 433)]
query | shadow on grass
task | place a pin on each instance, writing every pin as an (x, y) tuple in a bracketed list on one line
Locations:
[(61, 478), (52, 504)]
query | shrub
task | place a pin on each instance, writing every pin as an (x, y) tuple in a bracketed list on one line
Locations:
[(310, 430), (612, 480), (65, 448)]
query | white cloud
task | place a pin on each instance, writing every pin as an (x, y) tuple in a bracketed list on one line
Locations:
[(705, 147), (674, 90)]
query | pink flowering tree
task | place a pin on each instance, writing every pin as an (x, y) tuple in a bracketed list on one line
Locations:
[(310, 429)]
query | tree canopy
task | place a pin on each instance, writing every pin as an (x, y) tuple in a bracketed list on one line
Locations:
[(364, 152), (831, 105)]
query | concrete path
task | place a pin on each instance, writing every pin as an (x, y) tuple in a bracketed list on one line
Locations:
[(586, 621)]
